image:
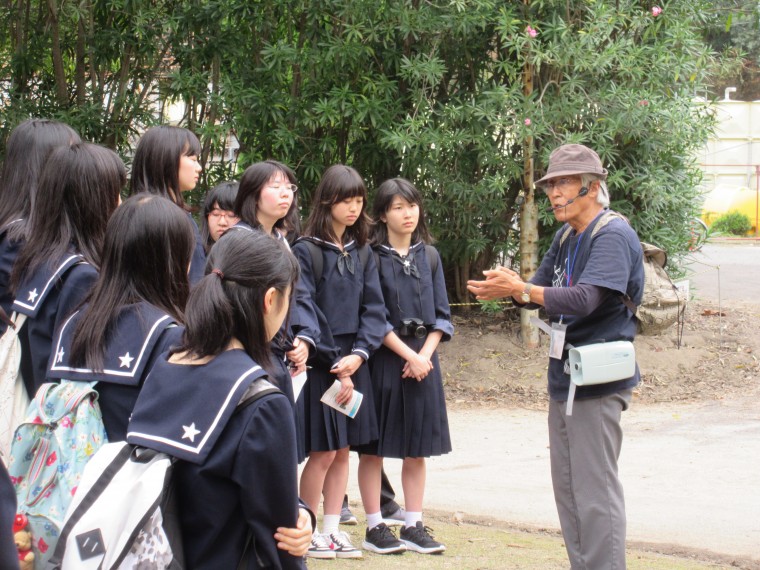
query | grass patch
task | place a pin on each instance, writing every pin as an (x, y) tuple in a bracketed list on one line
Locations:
[(492, 545)]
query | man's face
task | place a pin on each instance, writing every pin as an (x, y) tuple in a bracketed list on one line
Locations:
[(560, 191)]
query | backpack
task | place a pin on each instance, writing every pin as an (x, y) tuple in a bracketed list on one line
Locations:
[(14, 400), (62, 430), (124, 514), (662, 304)]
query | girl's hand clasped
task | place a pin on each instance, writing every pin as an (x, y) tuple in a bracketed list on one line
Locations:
[(417, 367)]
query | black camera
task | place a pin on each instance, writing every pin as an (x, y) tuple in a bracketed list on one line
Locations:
[(413, 327)]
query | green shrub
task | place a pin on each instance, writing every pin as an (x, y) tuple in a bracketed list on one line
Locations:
[(734, 223)]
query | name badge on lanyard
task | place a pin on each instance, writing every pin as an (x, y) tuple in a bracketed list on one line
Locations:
[(557, 340)]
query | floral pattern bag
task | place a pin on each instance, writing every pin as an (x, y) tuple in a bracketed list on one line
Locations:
[(62, 430)]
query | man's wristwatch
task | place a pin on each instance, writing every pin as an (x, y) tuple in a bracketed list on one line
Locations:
[(525, 297)]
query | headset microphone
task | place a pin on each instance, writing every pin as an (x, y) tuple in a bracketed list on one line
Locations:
[(583, 191)]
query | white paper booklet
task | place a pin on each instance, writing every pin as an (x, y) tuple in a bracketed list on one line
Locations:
[(298, 383), (351, 408)]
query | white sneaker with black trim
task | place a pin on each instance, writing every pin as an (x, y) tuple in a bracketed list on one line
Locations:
[(342, 547), (321, 547)]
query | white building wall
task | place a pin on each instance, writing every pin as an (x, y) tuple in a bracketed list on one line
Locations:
[(731, 161)]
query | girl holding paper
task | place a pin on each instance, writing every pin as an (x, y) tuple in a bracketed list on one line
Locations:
[(339, 271)]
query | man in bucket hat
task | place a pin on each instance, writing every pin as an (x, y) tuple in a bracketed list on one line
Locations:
[(593, 262)]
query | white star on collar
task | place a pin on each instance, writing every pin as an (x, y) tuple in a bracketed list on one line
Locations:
[(190, 432), (59, 356), (126, 361), (33, 295)]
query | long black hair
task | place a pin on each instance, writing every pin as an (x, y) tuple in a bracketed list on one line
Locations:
[(338, 183), (147, 249), (223, 195), (77, 193), (252, 182), (384, 196), (26, 152), (155, 167), (229, 301)]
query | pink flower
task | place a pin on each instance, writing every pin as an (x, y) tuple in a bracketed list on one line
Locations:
[(531, 32), (643, 103), (527, 122), (656, 11)]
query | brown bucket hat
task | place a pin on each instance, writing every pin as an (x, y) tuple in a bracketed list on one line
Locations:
[(573, 159)]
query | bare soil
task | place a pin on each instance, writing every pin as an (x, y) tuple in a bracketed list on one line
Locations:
[(486, 365)]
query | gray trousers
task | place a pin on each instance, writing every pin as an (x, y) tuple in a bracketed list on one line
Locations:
[(584, 451)]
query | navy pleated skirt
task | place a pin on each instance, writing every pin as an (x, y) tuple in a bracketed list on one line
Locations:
[(411, 415), (326, 429)]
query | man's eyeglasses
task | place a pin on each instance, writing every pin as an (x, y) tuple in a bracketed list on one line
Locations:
[(292, 187), (216, 213), (560, 183)]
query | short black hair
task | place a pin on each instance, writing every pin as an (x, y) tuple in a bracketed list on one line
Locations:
[(223, 195)]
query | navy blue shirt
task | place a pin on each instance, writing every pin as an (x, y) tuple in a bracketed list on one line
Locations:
[(135, 340), (611, 259), (411, 290), (48, 297), (347, 299), (8, 552), (198, 261), (9, 250), (237, 472)]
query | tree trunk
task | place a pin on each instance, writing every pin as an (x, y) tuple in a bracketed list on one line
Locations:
[(528, 225), (80, 74), (61, 92)]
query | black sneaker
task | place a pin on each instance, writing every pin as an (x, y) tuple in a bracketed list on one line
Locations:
[(418, 538), (381, 540)]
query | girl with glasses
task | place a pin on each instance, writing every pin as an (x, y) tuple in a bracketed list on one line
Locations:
[(218, 212), (266, 201)]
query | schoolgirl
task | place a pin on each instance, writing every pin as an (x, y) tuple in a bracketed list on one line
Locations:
[(340, 274), (217, 215), (208, 404), (57, 265), (266, 200), (406, 376), (131, 314), (26, 152), (166, 164)]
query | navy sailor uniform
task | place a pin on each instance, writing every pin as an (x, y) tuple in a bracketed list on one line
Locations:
[(198, 261), (9, 250), (237, 470), (47, 297), (140, 333), (411, 415), (301, 323), (351, 316)]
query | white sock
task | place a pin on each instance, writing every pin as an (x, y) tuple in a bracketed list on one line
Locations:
[(374, 519), (330, 524), (412, 518)]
